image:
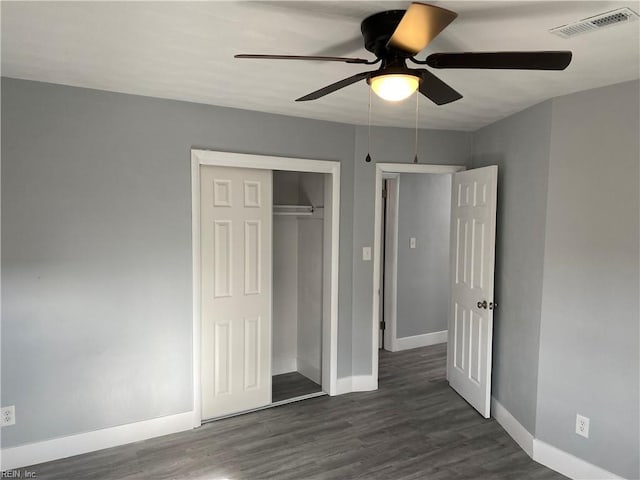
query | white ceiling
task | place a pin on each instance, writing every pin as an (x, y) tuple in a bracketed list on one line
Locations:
[(184, 51)]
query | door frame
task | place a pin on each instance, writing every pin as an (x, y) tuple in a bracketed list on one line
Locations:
[(389, 265), (200, 157), (381, 169), (389, 262)]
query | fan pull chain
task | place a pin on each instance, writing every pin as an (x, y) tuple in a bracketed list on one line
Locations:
[(368, 157), (415, 146)]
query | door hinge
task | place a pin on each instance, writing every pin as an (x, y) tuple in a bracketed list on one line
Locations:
[(384, 193), (383, 325)]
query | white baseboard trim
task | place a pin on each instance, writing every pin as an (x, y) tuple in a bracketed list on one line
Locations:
[(357, 383), (308, 370), (548, 455), (514, 428), (284, 365), (63, 447), (343, 385), (416, 341), (568, 464), (363, 383)]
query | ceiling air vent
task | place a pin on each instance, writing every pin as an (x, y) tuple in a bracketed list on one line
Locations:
[(614, 17)]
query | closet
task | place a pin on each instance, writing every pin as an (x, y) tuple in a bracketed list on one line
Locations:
[(265, 276), (297, 283)]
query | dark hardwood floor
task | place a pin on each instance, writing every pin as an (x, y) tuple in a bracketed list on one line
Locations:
[(291, 385), (413, 427)]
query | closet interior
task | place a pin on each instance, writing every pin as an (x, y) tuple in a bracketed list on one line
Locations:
[(298, 212)]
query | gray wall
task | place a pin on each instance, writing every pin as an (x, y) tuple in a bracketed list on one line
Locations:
[(442, 147), (589, 350), (424, 212), (96, 248), (519, 145), (566, 330)]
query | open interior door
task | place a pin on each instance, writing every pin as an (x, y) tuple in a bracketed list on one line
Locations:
[(235, 236), (473, 226)]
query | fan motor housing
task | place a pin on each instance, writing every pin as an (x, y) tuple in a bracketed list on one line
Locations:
[(378, 28)]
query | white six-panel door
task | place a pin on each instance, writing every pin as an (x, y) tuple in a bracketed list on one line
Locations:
[(473, 219), (235, 234)]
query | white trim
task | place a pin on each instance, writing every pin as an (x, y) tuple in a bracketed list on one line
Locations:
[(332, 220), (364, 383), (63, 447), (548, 455), (568, 464), (245, 160), (331, 240), (514, 428), (357, 383), (382, 168), (390, 288), (424, 340), (343, 385), (195, 294), (418, 168), (284, 365)]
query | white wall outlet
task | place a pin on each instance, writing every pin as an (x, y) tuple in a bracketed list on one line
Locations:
[(8, 416), (412, 242), (582, 426), (366, 254)]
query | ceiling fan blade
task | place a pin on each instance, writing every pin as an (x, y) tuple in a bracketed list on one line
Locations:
[(436, 90), (420, 24), (558, 60), (345, 47), (334, 86), (303, 57)]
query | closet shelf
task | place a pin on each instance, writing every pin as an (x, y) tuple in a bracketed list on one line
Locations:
[(296, 210)]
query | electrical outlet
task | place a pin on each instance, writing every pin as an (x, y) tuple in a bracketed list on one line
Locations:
[(8, 416), (582, 426)]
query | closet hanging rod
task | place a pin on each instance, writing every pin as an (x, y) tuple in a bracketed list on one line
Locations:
[(297, 210)]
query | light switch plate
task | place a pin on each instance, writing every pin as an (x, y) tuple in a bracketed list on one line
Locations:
[(412, 242), (366, 254)]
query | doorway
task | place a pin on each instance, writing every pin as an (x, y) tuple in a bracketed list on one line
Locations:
[(415, 260), (471, 269), (259, 325)]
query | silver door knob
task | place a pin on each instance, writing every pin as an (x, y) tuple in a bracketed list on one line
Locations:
[(482, 304)]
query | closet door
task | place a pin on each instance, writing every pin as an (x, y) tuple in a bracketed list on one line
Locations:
[(235, 235)]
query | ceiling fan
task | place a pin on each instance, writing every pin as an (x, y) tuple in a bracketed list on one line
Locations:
[(395, 36)]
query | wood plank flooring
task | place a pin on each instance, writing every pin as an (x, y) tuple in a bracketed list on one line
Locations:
[(291, 385), (413, 427)]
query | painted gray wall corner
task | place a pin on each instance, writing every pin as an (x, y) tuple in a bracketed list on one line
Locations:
[(519, 145), (424, 212), (589, 339)]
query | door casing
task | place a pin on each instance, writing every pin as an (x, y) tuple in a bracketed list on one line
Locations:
[(330, 261)]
